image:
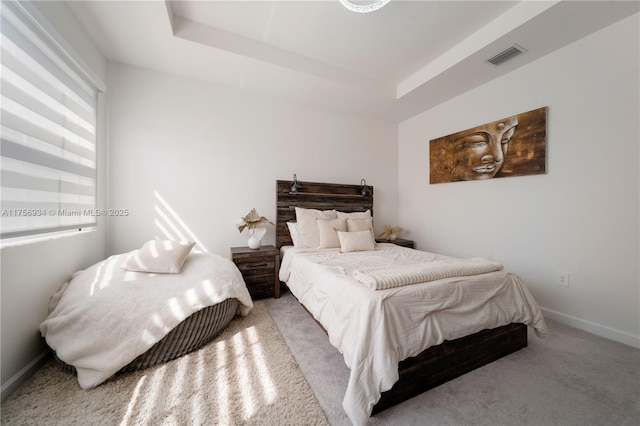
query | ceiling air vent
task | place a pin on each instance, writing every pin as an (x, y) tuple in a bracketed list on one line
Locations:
[(504, 56)]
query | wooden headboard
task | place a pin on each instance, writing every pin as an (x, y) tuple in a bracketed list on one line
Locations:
[(314, 195)]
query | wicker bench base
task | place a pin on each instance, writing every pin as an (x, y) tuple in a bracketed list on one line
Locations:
[(190, 335)]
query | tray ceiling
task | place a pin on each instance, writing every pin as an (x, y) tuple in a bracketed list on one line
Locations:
[(390, 64)]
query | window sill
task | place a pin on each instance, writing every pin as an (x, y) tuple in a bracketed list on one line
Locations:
[(35, 239)]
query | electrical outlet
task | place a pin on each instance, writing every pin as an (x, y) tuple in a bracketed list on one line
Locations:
[(562, 278)]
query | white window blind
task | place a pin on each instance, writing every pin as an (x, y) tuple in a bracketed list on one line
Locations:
[(48, 132)]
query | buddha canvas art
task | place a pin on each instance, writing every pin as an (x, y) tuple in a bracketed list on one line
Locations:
[(511, 146)]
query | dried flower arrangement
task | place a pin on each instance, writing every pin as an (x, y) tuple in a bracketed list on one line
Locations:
[(253, 222), (390, 232)]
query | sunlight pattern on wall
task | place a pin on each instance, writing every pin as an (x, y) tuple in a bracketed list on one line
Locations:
[(171, 226)]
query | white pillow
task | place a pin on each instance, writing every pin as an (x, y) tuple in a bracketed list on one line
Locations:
[(355, 241), (307, 226), (354, 225), (159, 256), (328, 232), (293, 231), (354, 215), (359, 224)]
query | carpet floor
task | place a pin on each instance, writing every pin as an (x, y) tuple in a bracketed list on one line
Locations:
[(246, 376), (570, 377), (253, 374)]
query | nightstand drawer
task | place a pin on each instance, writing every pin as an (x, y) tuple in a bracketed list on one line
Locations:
[(260, 286), (250, 269), (259, 269)]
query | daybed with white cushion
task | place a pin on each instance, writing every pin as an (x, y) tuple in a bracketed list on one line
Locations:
[(141, 308)]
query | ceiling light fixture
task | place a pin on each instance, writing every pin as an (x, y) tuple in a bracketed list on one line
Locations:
[(363, 6)]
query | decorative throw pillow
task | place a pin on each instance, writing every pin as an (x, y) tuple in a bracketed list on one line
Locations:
[(354, 215), (354, 225), (359, 224), (328, 232), (159, 256), (307, 226), (356, 241)]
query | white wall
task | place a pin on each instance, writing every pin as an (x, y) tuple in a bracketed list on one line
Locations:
[(191, 157), (581, 217), (32, 272)]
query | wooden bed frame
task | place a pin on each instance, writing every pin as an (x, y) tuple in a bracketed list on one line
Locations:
[(435, 365)]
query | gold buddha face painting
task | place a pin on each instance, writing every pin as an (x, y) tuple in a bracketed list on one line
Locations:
[(512, 146)]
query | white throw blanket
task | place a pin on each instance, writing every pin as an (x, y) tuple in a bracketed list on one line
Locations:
[(105, 316), (381, 278)]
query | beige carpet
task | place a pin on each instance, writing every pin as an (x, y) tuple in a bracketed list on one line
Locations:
[(247, 375)]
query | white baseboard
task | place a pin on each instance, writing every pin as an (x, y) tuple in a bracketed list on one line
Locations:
[(592, 327), (21, 376)]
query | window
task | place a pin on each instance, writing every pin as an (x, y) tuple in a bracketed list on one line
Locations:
[(48, 131)]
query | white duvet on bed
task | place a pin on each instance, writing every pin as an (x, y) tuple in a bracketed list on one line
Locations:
[(376, 329), (105, 317)]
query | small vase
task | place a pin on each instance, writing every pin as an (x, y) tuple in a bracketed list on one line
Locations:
[(392, 237), (254, 242)]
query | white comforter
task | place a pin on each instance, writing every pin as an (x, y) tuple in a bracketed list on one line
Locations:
[(376, 329), (105, 317)]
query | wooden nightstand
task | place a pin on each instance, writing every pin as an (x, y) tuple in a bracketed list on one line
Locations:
[(259, 269), (398, 241)]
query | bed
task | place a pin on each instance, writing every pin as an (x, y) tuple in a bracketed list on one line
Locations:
[(142, 308), (405, 339)]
